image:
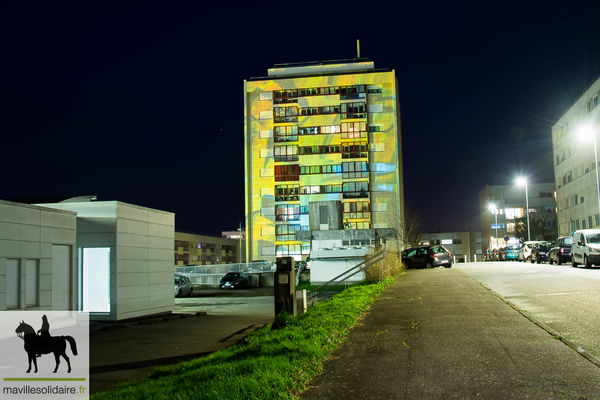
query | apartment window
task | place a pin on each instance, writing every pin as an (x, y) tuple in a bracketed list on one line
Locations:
[(355, 169), (320, 110), (12, 284), (285, 173), (353, 110), (287, 193), (320, 169), (315, 130), (357, 225), (285, 133), (583, 224), (287, 212), (355, 190), (375, 128), (320, 149), (512, 213), (510, 227), (285, 96), (311, 189), (285, 233), (285, 114), (283, 250), (377, 90), (31, 283), (286, 153), (352, 92), (356, 210), (354, 150), (589, 222), (354, 130)]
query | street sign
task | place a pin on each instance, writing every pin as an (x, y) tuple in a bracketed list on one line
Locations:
[(506, 238)]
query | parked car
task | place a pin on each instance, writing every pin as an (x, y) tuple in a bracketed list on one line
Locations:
[(561, 250), (541, 252), (234, 280), (512, 252), (183, 286), (585, 248), (500, 254), (488, 255), (426, 257), (526, 249)]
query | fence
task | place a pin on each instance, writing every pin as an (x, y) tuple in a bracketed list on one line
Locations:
[(212, 274)]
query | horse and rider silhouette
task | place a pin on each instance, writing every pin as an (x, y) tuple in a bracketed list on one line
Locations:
[(41, 342)]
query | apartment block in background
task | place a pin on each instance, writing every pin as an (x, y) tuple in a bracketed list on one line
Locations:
[(321, 131), (575, 162)]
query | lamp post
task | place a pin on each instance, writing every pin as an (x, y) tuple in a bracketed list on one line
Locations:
[(240, 241), (493, 208), (586, 132), (523, 181)]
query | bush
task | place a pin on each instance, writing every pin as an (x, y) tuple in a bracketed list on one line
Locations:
[(390, 266)]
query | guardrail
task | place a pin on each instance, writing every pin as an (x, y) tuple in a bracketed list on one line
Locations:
[(347, 274)]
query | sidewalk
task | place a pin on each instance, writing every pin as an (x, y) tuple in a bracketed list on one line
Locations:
[(438, 334)]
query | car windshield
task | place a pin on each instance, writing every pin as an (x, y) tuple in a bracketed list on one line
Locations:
[(543, 247), (177, 280), (512, 248), (593, 238), (232, 275), (567, 240)]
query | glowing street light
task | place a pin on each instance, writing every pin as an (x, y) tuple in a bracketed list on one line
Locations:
[(493, 208), (523, 181), (585, 132)]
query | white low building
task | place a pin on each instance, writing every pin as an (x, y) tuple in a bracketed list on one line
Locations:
[(124, 259), (326, 264), (37, 255)]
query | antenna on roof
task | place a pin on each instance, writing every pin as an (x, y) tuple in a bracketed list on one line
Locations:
[(357, 48)]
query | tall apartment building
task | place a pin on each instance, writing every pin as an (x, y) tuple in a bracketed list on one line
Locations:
[(575, 163), (320, 131), (510, 203)]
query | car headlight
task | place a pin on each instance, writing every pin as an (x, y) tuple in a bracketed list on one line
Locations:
[(595, 249)]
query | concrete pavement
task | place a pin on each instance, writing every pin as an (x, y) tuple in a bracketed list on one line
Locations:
[(438, 334)]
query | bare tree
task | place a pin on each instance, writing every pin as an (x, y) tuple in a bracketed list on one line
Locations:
[(406, 222)]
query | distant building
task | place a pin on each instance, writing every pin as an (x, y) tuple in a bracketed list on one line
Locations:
[(237, 235), (196, 249), (575, 163), (510, 204), (323, 131), (459, 244)]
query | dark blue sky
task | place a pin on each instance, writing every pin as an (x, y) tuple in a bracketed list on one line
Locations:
[(142, 102)]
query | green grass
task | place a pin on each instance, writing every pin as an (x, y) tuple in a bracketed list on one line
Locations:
[(267, 364)]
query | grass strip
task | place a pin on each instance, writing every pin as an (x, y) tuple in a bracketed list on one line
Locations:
[(267, 364)]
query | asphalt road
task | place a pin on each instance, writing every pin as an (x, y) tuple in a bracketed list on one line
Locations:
[(566, 299)]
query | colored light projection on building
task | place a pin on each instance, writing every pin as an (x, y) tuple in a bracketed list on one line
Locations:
[(319, 138)]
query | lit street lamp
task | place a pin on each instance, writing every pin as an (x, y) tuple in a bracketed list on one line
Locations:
[(493, 208), (523, 181), (585, 132)]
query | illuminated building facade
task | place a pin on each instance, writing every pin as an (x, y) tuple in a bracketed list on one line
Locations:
[(320, 131), (575, 163)]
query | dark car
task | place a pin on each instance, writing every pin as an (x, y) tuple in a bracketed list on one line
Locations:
[(500, 254), (234, 280), (426, 257), (561, 250), (541, 252)]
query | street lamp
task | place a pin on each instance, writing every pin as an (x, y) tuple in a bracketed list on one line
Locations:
[(523, 181), (585, 132), (493, 208)]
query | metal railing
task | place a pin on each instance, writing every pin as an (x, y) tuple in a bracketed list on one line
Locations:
[(347, 274), (212, 274)]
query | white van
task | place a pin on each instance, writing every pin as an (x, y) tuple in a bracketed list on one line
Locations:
[(585, 248)]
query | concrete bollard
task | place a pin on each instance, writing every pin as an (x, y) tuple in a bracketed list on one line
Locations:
[(301, 301)]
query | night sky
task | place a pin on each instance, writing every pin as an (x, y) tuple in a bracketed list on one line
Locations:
[(142, 102)]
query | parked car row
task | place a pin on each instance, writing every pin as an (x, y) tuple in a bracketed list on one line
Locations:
[(558, 252)]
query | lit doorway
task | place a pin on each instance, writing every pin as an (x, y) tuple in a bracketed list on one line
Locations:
[(94, 267)]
